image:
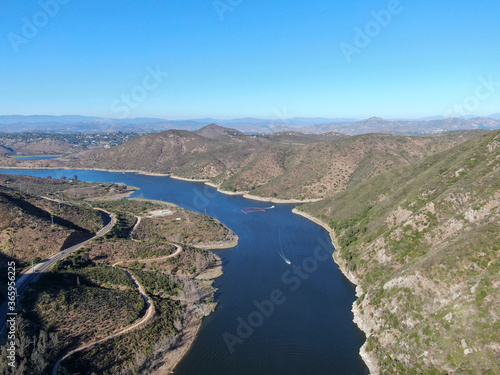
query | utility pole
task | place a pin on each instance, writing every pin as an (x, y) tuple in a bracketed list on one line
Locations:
[(52, 219)]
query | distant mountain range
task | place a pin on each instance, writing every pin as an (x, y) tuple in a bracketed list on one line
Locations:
[(73, 124)]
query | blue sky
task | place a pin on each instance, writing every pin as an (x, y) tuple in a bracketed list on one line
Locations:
[(255, 58)]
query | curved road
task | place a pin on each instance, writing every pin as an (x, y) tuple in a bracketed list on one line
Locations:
[(150, 306), (32, 274)]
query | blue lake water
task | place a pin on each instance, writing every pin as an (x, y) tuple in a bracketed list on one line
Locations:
[(36, 157), (272, 317)]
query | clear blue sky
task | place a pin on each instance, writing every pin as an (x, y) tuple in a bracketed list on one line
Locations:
[(258, 59)]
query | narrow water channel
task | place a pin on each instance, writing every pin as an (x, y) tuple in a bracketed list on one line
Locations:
[(284, 307)]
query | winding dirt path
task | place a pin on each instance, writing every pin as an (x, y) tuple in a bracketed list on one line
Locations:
[(138, 221), (145, 319), (178, 249), (177, 252)]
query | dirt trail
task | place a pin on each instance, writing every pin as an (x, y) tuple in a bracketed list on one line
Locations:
[(145, 319)]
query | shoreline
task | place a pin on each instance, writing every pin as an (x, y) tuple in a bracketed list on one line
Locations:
[(188, 179), (116, 171), (244, 194), (190, 333), (279, 201), (228, 244), (369, 360), (92, 169)]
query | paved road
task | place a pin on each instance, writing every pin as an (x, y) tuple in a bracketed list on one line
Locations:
[(32, 274)]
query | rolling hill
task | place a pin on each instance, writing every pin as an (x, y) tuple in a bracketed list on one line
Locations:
[(184, 153), (319, 169), (214, 131), (282, 166)]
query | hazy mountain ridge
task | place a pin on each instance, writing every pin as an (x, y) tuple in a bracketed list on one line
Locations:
[(72, 124), (412, 127), (423, 243)]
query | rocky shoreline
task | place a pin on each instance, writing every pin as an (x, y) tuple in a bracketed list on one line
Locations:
[(230, 243), (189, 333), (370, 360), (245, 194)]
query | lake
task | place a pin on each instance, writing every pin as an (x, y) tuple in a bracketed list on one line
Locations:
[(284, 307), (36, 157)]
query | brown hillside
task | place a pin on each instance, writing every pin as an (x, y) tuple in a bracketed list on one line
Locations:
[(319, 169), (286, 165), (5, 150), (175, 151), (26, 229), (213, 131), (6, 161)]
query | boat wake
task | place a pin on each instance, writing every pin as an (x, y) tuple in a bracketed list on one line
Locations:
[(248, 210), (287, 261)]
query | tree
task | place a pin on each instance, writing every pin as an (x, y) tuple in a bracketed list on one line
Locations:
[(75, 177), (63, 178)]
